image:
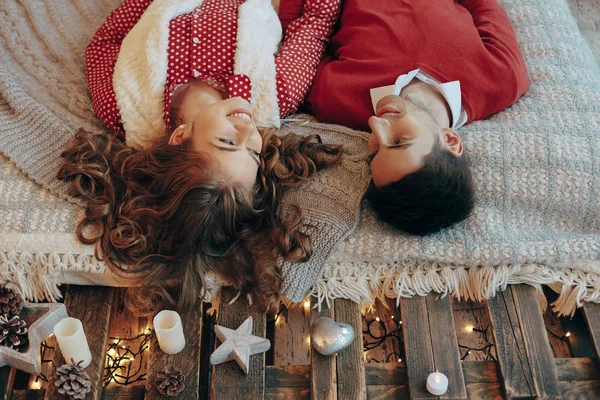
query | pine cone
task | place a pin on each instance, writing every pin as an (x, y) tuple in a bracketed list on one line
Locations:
[(171, 383), (11, 302), (73, 381), (13, 332)]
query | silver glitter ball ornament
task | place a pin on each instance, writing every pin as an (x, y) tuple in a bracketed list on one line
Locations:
[(328, 336)]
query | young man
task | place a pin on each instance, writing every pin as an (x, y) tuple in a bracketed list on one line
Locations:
[(414, 72)]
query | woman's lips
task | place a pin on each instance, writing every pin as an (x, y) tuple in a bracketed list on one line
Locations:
[(241, 111)]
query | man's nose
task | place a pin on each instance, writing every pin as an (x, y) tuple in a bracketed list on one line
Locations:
[(380, 129)]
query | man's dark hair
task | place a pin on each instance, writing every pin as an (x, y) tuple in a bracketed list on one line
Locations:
[(436, 196)]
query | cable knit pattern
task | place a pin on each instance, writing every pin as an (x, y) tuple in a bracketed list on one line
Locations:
[(536, 168)]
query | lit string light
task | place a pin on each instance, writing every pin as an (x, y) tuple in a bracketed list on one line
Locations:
[(372, 341), (562, 338), (120, 359), (487, 349)]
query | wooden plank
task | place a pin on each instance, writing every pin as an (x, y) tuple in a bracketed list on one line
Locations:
[(387, 392), (386, 374), (577, 390), (287, 394), (417, 345), (480, 372), (323, 379), (228, 380), (472, 314), (188, 360), (591, 311), (577, 369), (350, 361), (292, 336), (287, 376), (92, 305), (445, 346), (539, 352), (510, 348), (24, 394), (484, 391), (7, 379), (131, 392)]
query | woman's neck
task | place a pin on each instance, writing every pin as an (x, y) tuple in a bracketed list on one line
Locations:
[(430, 99), (188, 97)]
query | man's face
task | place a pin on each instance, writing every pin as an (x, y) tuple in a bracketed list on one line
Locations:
[(402, 135)]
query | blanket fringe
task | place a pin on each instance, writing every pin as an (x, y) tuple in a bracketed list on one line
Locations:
[(363, 283), (37, 275)]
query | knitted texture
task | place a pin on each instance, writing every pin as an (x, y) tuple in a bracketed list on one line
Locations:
[(536, 168)]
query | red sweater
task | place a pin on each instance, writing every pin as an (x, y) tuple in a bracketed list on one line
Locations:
[(471, 41)]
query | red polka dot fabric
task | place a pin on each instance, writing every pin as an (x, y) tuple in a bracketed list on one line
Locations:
[(202, 45)]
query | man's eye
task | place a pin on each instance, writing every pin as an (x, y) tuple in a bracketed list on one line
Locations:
[(228, 141)]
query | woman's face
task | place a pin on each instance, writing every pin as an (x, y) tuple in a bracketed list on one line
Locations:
[(222, 128)]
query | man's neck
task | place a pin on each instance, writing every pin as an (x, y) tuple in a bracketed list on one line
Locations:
[(430, 99)]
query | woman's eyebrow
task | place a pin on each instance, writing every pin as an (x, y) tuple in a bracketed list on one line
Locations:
[(235, 149)]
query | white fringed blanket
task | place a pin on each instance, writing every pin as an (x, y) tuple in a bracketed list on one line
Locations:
[(536, 167)]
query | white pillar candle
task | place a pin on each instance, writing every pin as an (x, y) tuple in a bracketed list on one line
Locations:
[(437, 383), (72, 342), (169, 331)]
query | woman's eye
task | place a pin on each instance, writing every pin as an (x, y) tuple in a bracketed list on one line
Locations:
[(228, 141), (256, 153), (397, 141)]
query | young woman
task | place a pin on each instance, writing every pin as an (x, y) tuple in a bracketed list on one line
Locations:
[(194, 188)]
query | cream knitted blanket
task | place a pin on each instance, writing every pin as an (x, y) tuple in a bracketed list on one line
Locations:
[(536, 168)]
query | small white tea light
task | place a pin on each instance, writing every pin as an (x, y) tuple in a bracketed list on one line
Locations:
[(72, 341), (437, 383), (169, 331)]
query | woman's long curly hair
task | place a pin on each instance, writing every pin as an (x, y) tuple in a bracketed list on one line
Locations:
[(165, 216)]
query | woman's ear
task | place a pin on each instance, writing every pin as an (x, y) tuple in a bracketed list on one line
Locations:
[(178, 135), (452, 142)]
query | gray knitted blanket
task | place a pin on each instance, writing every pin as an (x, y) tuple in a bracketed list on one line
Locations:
[(536, 168)]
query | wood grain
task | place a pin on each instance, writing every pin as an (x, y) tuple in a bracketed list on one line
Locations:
[(577, 369), (481, 371), (445, 347), (510, 348), (92, 305), (417, 345), (577, 390), (131, 392), (539, 352), (287, 394), (287, 376), (228, 380), (7, 379), (387, 392), (323, 379), (24, 394), (292, 329), (386, 374), (591, 311), (350, 361), (188, 360), (484, 391)]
